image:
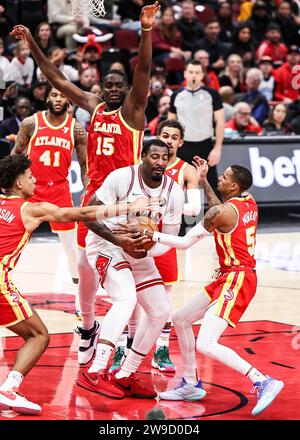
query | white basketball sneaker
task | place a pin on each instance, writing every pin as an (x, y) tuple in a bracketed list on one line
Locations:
[(88, 343), (13, 400), (185, 391)]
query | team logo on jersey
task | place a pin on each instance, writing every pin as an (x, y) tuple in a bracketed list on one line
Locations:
[(173, 172), (229, 295), (14, 297), (162, 202), (66, 129)]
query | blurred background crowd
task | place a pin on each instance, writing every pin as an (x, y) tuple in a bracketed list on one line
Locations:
[(248, 50)]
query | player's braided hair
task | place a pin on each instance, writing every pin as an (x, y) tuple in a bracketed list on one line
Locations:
[(11, 167)]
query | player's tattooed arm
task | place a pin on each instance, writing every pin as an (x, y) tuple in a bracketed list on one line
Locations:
[(211, 217), (221, 217), (210, 195), (80, 139), (26, 130)]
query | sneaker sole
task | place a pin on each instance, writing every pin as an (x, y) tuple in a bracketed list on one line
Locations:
[(164, 370), (182, 399), (91, 358), (277, 390), (21, 410), (90, 387)]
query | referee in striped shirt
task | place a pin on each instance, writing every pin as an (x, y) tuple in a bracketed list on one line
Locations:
[(198, 108)]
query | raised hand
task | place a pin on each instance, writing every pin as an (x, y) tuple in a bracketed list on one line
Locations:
[(201, 168), (21, 32), (148, 14)]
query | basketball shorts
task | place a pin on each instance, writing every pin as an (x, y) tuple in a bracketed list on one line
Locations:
[(58, 194), (82, 230), (232, 291), (109, 262), (14, 307), (168, 267)]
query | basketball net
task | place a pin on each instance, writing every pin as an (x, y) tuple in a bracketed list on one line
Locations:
[(88, 7)]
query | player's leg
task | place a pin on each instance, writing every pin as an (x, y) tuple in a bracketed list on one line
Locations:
[(125, 342), (36, 338), (239, 294), (157, 309), (119, 283), (190, 388), (168, 269), (87, 289)]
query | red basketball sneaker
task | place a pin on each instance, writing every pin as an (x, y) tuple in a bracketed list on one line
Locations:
[(132, 387), (99, 383)]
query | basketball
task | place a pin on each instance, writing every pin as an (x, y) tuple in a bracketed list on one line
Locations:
[(141, 223)]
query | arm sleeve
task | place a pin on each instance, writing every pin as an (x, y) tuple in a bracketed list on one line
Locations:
[(160, 249), (197, 233), (193, 205)]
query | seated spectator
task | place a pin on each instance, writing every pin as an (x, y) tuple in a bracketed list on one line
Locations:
[(4, 63), (213, 45), (210, 78), (8, 97), (272, 46), (224, 15), (267, 85), (227, 96), (22, 66), (88, 78), (57, 56), (256, 100), (60, 15), (276, 124), (163, 110), (37, 95), (9, 127), (166, 39), (293, 116), (43, 36), (242, 123), (233, 75), (243, 45), (286, 76), (189, 26), (288, 25), (259, 21), (158, 87)]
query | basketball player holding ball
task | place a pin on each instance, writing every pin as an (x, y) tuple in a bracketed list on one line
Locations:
[(126, 276)]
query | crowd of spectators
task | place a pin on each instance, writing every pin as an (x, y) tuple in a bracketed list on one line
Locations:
[(248, 50)]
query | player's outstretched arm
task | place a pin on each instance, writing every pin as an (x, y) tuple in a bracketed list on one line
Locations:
[(36, 213), (202, 169), (85, 100), (24, 134), (135, 103)]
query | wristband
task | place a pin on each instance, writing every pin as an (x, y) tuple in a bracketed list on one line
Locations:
[(146, 29)]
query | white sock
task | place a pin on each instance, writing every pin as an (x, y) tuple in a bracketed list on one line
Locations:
[(123, 340), (131, 364), (256, 376), (13, 380), (101, 359), (163, 340), (87, 289)]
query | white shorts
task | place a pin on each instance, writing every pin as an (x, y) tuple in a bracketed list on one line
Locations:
[(108, 261)]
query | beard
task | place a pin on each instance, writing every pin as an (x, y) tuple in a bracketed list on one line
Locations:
[(57, 112), (157, 178)]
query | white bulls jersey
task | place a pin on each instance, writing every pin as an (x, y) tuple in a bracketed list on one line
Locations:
[(127, 184)]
